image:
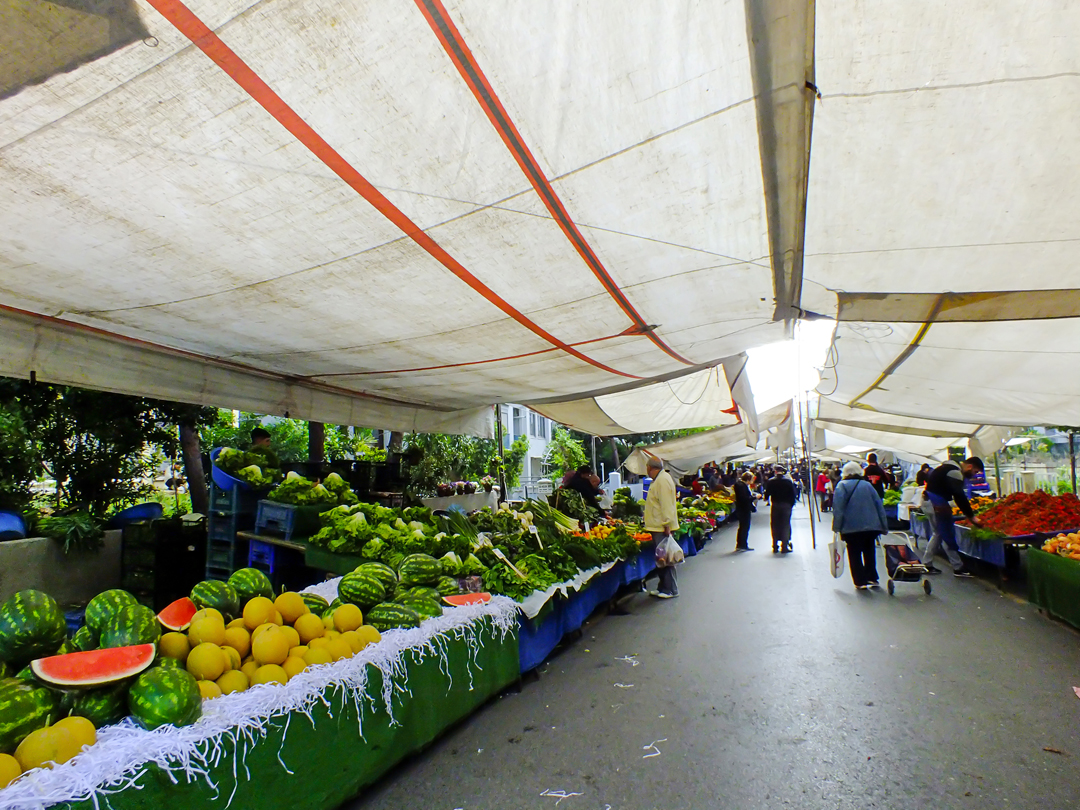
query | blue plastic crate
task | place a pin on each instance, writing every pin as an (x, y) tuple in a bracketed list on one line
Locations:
[(75, 619), (275, 518), (261, 556)]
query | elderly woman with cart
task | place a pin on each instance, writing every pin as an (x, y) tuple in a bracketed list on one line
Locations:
[(859, 518)]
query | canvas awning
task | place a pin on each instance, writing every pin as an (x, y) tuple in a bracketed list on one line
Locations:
[(942, 208), (343, 208)]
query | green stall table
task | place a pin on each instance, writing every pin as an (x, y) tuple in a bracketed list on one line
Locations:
[(1054, 585), (314, 757)]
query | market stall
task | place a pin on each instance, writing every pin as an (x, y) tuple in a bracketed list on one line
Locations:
[(1054, 578), (341, 726)]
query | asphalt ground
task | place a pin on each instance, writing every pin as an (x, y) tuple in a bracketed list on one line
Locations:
[(768, 684)]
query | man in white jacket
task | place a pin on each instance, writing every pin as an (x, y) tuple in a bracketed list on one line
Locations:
[(662, 521)]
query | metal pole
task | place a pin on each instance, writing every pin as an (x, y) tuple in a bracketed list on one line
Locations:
[(1072, 459), (997, 474), (502, 453), (806, 455)]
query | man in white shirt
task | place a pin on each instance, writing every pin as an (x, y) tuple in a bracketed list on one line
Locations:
[(662, 521)]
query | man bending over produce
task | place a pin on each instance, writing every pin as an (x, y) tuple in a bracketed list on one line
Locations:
[(944, 484)]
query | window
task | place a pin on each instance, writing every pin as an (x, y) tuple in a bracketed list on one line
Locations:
[(519, 423), (504, 416), (534, 429)]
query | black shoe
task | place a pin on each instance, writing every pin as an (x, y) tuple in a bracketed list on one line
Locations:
[(932, 570), (873, 583), (743, 548), (787, 549), (963, 573), (775, 550)]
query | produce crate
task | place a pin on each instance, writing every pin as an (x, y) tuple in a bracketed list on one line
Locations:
[(261, 556), (1054, 585), (287, 520)]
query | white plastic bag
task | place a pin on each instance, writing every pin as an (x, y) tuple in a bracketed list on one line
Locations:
[(668, 552), (837, 551)]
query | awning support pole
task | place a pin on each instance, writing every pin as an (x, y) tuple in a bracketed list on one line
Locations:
[(810, 494), (1072, 458), (502, 453)]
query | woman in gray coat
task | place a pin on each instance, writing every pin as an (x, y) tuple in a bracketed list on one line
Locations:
[(859, 517)]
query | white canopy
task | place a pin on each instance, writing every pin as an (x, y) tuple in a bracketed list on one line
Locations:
[(341, 208), (703, 399), (942, 207), (691, 452)]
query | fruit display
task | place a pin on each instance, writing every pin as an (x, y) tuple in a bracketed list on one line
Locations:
[(979, 504), (31, 625), (1064, 545), (94, 667), (1027, 513)]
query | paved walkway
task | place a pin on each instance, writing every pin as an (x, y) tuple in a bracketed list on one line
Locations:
[(768, 684)]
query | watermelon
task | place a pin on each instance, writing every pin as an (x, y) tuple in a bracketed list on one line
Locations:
[(418, 592), (361, 589), (24, 707), (103, 608), (332, 607), (26, 674), (84, 639), (249, 583), (218, 595), (166, 661), (133, 625), (419, 569), (94, 668), (447, 586), (315, 603), (389, 616), (381, 570), (463, 599), (3, 670), (177, 615), (165, 696), (424, 606), (104, 706), (31, 625)]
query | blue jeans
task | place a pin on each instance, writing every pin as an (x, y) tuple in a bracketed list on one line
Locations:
[(940, 513)]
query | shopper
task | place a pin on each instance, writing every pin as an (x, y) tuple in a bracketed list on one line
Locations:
[(878, 477), (921, 475), (744, 508), (661, 521), (585, 483), (780, 492), (821, 487), (859, 518), (944, 485)]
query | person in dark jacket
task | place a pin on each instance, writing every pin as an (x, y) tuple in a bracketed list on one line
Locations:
[(780, 492), (922, 475), (584, 482), (744, 508), (878, 477), (945, 485), (859, 517)]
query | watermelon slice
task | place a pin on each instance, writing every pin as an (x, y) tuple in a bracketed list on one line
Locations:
[(95, 667), (177, 616), (460, 599)]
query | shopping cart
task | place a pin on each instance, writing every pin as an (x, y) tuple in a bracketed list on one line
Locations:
[(902, 562)]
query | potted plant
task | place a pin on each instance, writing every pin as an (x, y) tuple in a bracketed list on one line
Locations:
[(459, 487), (444, 490), (488, 483), (470, 487)]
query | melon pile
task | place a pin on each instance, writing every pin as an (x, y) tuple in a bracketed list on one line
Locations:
[(56, 691)]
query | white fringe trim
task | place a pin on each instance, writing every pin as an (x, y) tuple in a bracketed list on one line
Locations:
[(122, 751)]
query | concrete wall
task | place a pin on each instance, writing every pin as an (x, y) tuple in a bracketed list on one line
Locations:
[(40, 563)]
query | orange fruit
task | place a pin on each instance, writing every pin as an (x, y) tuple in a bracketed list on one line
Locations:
[(249, 668), (298, 652), (81, 729), (233, 658), (339, 648), (174, 645), (235, 681), (347, 617), (309, 626), (292, 635), (258, 610), (291, 606), (315, 656), (46, 747), (209, 690), (352, 638), (369, 634), (208, 630), (10, 770), (271, 647), (293, 666), (207, 661), (239, 639), (271, 673)]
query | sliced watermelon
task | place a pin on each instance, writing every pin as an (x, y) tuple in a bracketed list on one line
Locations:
[(177, 616), (457, 600), (95, 667)]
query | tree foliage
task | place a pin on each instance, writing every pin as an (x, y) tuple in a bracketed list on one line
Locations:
[(565, 452), (288, 437), (98, 447), (461, 458)]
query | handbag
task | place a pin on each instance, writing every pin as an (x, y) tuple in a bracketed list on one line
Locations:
[(837, 550)]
